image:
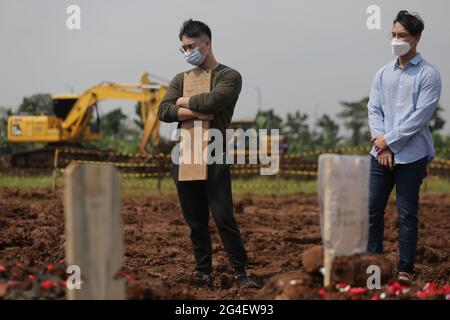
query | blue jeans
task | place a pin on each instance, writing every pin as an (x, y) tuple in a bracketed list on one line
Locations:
[(407, 178)]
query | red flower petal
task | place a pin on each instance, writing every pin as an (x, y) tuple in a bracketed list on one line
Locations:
[(12, 283), (358, 291), (47, 284), (322, 293), (446, 288)]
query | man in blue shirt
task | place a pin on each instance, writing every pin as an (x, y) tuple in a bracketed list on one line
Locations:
[(403, 98)]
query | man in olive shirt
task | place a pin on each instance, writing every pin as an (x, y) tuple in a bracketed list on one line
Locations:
[(197, 197)]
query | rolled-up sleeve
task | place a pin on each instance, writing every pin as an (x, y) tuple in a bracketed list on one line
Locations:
[(224, 94), (168, 109), (427, 101)]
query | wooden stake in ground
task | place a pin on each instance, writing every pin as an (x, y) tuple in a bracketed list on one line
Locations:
[(343, 193), (192, 164), (94, 230), (55, 169)]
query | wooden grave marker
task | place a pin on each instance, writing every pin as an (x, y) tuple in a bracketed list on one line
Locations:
[(94, 240), (192, 164)]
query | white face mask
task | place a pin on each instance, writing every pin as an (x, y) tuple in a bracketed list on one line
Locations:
[(399, 47)]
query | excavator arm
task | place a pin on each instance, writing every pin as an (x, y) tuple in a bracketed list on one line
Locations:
[(148, 94)]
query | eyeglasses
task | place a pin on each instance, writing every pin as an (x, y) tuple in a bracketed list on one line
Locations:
[(190, 46)]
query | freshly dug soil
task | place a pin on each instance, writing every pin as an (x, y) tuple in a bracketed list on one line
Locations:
[(158, 260)]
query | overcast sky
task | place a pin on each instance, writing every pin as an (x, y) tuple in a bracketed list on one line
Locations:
[(303, 55)]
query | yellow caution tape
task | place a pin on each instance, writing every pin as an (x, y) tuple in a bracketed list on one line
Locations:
[(117, 164)]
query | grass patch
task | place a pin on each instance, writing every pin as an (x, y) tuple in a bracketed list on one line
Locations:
[(436, 185), (44, 181), (256, 185)]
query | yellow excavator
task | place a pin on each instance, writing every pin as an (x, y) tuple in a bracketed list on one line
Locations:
[(72, 122)]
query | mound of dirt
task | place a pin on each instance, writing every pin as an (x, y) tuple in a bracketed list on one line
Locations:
[(312, 259), (276, 229), (353, 269)]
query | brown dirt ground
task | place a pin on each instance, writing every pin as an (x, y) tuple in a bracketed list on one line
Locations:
[(158, 255)]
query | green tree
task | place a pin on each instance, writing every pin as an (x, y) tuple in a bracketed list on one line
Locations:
[(5, 146), (268, 120), (40, 103), (137, 111), (441, 144), (296, 132), (437, 122), (111, 123), (356, 120), (328, 134), (117, 133)]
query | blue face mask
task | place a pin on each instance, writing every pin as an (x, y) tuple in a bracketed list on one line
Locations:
[(195, 57)]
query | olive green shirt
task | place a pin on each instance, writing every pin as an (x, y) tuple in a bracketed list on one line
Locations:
[(226, 84)]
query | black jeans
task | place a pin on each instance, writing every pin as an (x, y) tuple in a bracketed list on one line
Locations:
[(196, 198), (407, 178)]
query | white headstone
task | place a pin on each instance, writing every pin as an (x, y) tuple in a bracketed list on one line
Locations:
[(343, 193)]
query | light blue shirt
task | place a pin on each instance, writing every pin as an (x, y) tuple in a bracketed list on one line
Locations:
[(401, 104)]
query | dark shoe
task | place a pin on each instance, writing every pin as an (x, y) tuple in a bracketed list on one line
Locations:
[(404, 278), (242, 281), (203, 279)]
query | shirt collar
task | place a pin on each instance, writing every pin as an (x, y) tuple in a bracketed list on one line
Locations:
[(414, 61)]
